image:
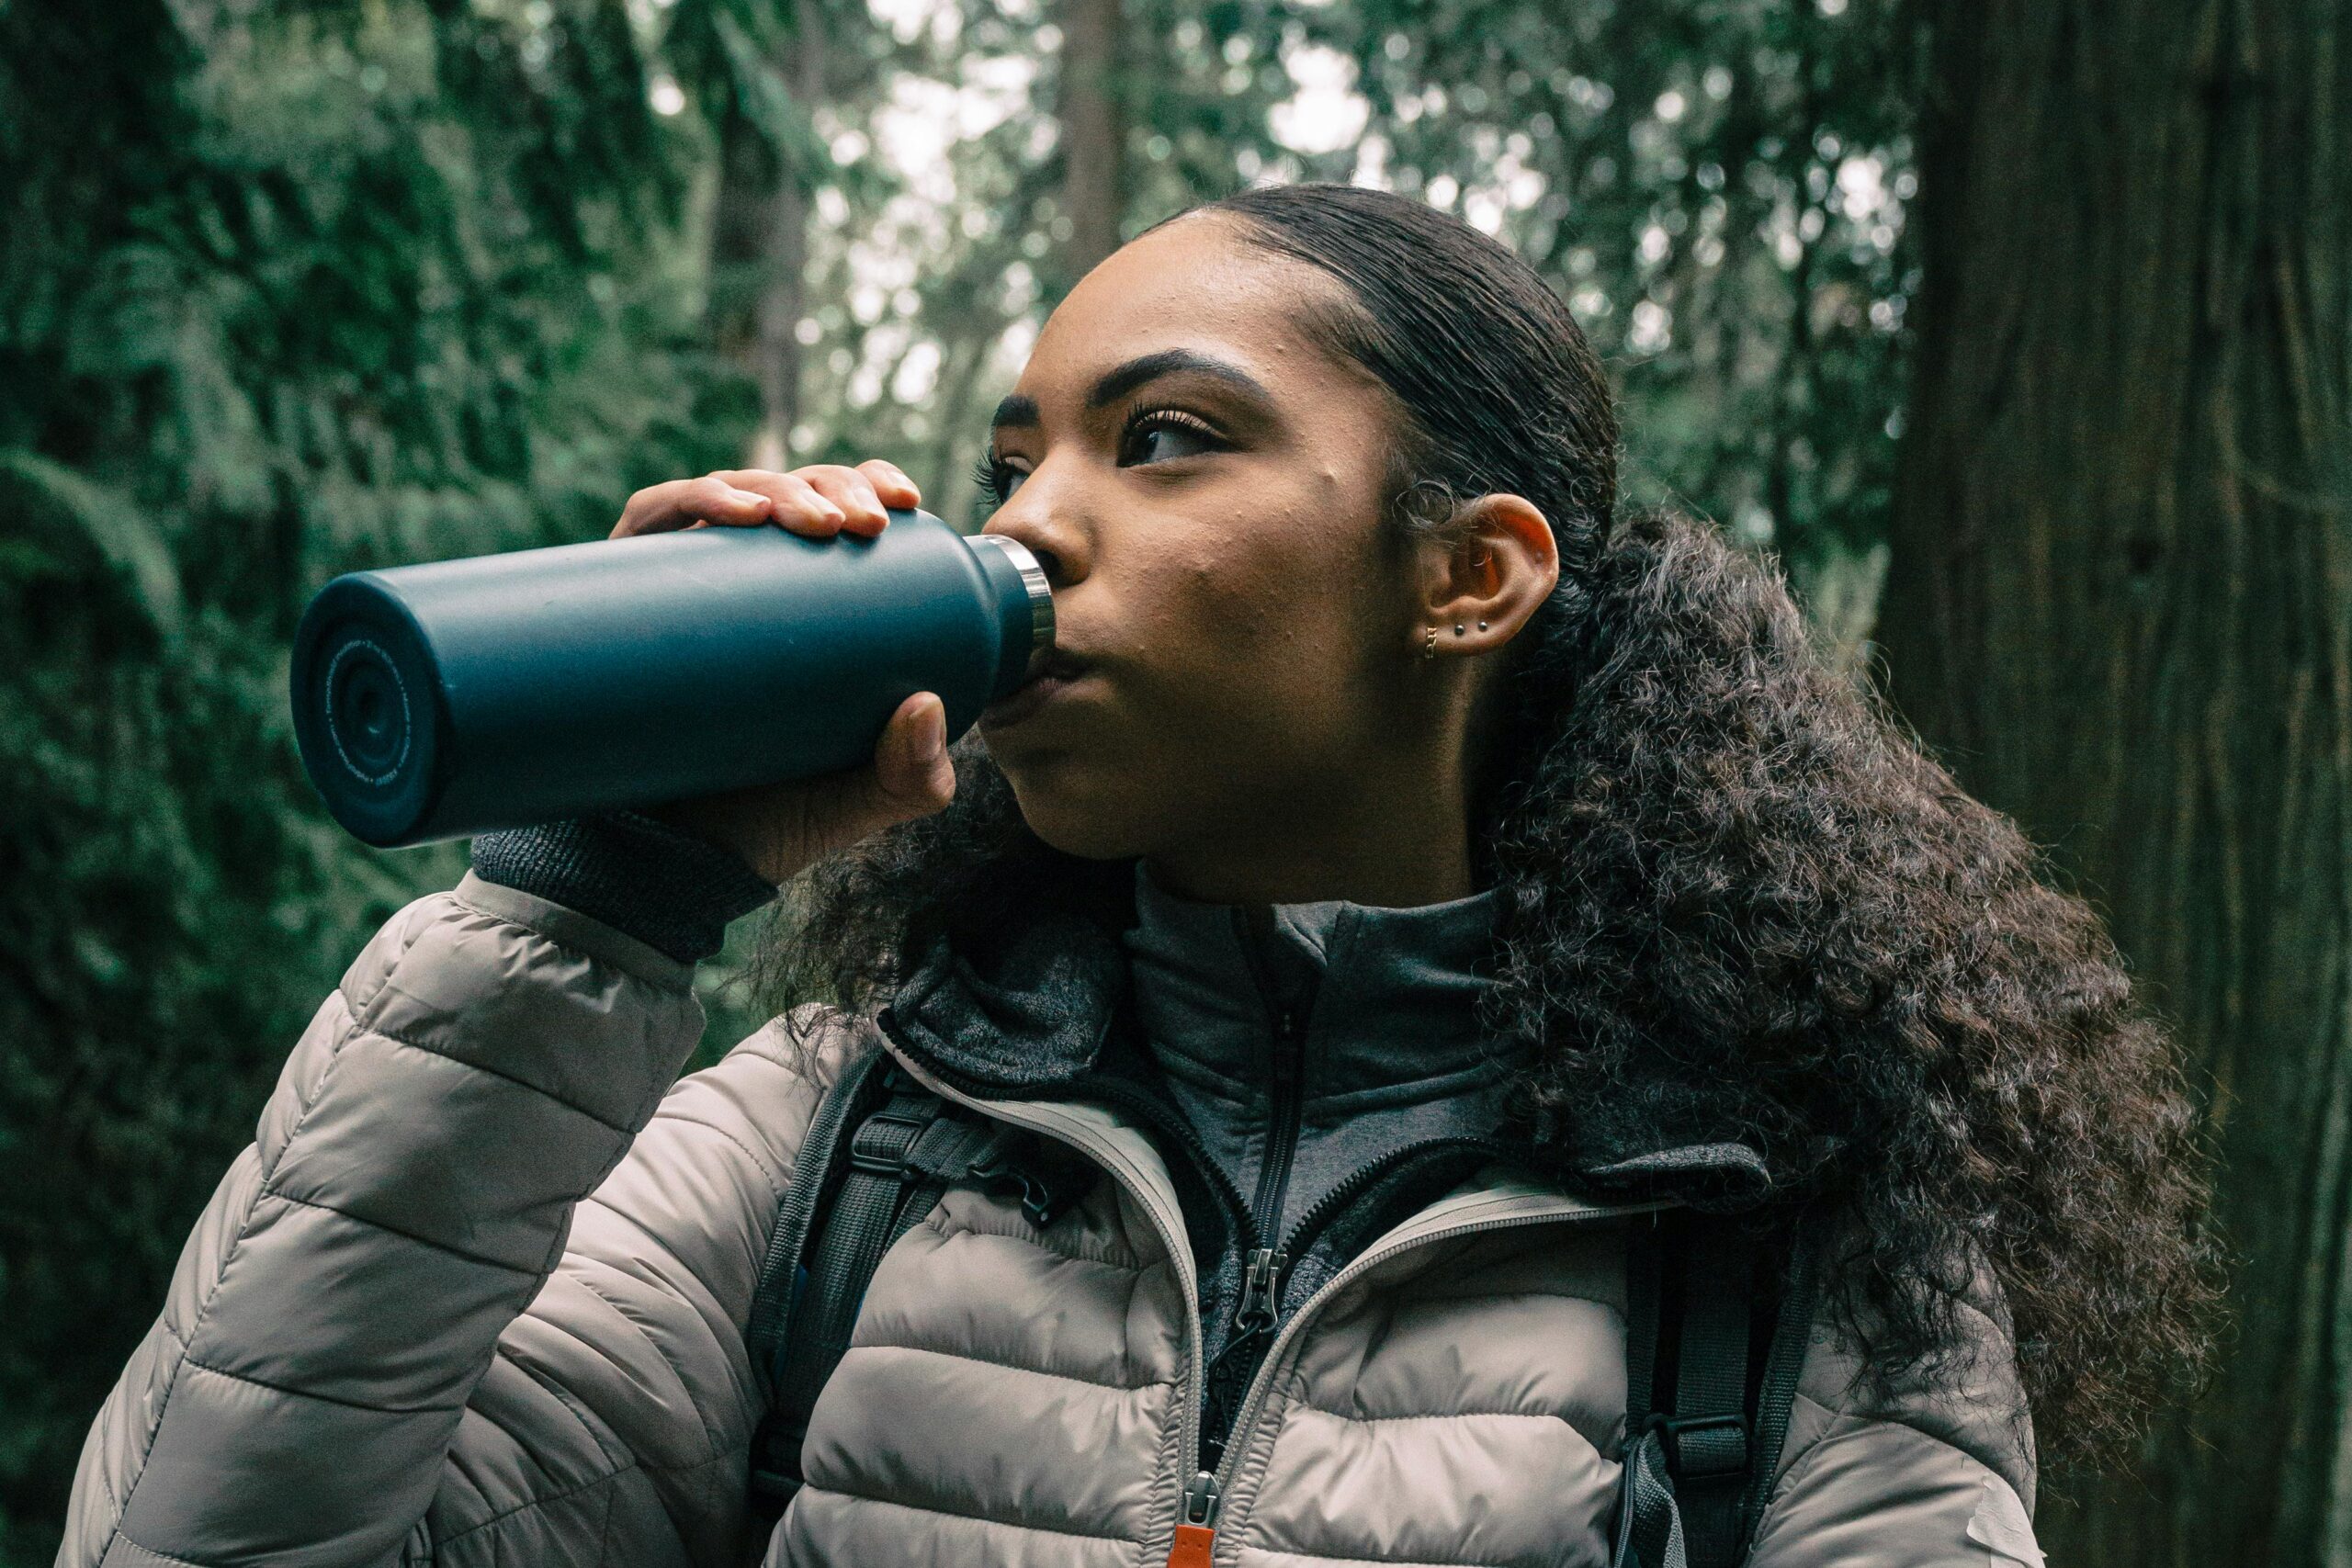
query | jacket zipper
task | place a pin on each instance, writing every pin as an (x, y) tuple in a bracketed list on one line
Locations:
[(1287, 1080), (1210, 1487), (1203, 1498)]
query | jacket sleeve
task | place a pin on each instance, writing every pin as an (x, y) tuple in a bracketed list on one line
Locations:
[(473, 1294), (1935, 1471)]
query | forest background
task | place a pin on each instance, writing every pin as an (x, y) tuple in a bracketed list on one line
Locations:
[(2020, 333)]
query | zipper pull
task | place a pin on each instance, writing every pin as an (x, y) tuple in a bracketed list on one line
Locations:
[(1196, 1525), (1257, 1288), (1285, 1055)]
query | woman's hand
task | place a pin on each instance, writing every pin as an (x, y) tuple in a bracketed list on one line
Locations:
[(780, 828)]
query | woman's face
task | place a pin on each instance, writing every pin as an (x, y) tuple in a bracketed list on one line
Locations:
[(1204, 487)]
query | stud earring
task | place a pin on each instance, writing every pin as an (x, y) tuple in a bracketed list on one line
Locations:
[(1482, 626), (1457, 628)]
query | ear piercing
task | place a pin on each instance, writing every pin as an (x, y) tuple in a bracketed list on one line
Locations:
[(1429, 638)]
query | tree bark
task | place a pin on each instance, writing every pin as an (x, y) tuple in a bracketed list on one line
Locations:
[(760, 250), (1094, 132), (2121, 606)]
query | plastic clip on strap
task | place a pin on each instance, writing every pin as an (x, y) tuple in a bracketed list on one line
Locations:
[(1048, 1179), (1689, 1285), (1706, 1438)]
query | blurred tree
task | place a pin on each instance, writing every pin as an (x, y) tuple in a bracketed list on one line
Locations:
[(760, 70), (1719, 192), (284, 288), (2121, 604), (1094, 87)]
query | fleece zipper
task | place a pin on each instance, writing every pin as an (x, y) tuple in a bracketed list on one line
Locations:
[(1287, 1010), (1265, 1262)]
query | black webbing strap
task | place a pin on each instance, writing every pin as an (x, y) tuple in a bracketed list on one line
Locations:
[(1707, 1438), (816, 1172), (1792, 1335), (1649, 1533), (1687, 1497), (879, 1170)]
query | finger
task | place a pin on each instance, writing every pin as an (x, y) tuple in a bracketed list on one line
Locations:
[(868, 515), (797, 504), (890, 482), (659, 508), (850, 490)]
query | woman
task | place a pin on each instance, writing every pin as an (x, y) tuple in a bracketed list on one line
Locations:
[(1411, 876)]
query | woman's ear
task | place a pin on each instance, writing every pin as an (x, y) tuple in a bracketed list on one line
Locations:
[(1503, 564)]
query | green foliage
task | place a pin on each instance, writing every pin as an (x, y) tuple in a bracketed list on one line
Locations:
[(284, 290), (290, 288)]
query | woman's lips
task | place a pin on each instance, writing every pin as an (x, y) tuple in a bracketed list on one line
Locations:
[(1059, 674)]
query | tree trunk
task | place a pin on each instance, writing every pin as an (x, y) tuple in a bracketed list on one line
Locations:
[(1094, 132), (2121, 606), (760, 250)]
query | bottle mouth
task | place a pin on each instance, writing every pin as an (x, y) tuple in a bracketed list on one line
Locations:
[(1041, 600)]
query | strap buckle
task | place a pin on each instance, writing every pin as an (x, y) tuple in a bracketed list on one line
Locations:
[(1700, 1446), (1047, 1183), (883, 1140)]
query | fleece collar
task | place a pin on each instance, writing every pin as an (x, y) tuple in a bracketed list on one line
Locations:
[(1042, 1008)]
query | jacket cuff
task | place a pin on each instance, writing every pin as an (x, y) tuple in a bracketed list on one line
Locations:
[(669, 888)]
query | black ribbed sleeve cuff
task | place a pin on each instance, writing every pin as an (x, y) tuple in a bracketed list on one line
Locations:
[(670, 889)]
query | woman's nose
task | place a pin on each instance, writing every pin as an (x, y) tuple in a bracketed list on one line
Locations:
[(1046, 531)]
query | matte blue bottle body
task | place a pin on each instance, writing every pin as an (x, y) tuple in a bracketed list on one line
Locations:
[(445, 699)]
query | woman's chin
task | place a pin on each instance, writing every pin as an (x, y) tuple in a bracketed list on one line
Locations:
[(1068, 807)]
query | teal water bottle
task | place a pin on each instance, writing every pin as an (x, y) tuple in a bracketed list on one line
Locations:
[(451, 698)]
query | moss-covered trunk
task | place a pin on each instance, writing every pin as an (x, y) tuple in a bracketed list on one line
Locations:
[(2121, 607)]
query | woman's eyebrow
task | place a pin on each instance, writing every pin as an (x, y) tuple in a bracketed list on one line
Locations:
[(1020, 410)]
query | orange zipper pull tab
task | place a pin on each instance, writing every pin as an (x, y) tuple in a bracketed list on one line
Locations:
[(1196, 1525)]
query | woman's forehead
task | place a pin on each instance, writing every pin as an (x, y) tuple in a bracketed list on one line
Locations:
[(1189, 288)]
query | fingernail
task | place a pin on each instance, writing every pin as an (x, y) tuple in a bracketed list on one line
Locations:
[(935, 734), (832, 513), (748, 498)]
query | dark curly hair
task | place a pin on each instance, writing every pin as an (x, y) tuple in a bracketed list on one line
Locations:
[(1742, 903)]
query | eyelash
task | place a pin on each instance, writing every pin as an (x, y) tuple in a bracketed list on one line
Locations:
[(990, 475)]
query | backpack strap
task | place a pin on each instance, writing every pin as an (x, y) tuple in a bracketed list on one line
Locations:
[(1696, 1469), (817, 1173), (1707, 1440), (880, 1152)]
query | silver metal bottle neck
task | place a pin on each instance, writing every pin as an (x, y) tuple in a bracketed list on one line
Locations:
[(1041, 597)]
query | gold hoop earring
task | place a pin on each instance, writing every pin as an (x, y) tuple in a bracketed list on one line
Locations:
[(1429, 643)]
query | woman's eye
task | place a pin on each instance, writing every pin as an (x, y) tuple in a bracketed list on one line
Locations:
[(1165, 433), (1153, 437), (996, 478)]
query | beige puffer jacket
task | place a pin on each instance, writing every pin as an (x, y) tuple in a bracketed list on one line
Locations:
[(476, 1294)]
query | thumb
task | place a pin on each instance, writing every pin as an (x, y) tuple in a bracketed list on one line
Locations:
[(920, 777)]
